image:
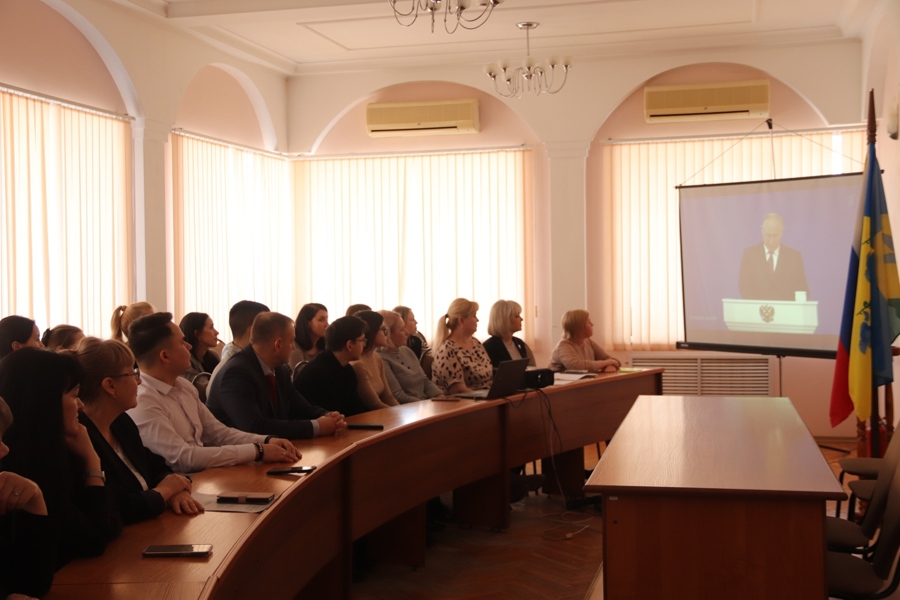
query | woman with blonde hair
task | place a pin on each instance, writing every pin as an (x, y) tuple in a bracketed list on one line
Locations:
[(141, 483), (506, 319), (124, 316), (577, 351), (460, 362), (416, 340), (405, 376)]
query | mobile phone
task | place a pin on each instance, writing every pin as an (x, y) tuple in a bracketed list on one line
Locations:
[(290, 470), (178, 550), (377, 426), (245, 498)]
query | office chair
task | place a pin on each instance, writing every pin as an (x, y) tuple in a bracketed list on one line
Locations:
[(850, 577), (201, 382), (847, 536)]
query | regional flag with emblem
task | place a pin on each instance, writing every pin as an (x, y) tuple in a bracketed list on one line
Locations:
[(871, 316)]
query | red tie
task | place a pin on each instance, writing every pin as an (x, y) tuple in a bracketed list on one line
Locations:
[(273, 395)]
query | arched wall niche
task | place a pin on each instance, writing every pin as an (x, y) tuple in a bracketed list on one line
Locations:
[(43, 51), (219, 102), (788, 109), (500, 125)]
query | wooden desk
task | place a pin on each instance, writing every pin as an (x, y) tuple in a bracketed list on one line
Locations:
[(365, 482), (713, 497)]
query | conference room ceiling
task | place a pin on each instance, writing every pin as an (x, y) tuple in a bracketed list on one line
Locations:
[(323, 36)]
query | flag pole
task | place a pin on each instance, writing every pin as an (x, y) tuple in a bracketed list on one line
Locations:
[(874, 419)]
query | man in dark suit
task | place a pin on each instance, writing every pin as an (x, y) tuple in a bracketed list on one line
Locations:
[(771, 270), (253, 392)]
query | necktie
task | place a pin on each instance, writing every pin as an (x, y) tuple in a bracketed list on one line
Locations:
[(273, 395), (770, 261)]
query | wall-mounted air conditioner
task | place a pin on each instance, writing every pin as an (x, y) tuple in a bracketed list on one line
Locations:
[(422, 118), (707, 102)]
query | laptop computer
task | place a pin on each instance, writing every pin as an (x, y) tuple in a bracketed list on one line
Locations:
[(507, 381)]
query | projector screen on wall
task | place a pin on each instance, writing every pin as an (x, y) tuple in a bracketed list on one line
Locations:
[(764, 264)]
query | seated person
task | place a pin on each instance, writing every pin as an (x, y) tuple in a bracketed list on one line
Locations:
[(460, 361), (173, 422), (309, 333), (240, 318), (202, 336), (50, 447), (328, 380), (27, 538), (355, 308), (140, 482), (124, 316), (372, 383), (405, 376), (254, 393), (18, 332), (577, 351), (62, 337), (506, 319), (416, 341)]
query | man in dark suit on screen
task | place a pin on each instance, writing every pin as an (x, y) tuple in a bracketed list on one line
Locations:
[(771, 270)]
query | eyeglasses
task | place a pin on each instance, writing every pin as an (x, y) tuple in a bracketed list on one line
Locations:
[(136, 374), (386, 330), (360, 341)]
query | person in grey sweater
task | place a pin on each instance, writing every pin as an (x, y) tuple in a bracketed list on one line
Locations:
[(405, 376)]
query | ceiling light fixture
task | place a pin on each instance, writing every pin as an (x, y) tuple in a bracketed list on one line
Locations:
[(532, 77), (460, 9)]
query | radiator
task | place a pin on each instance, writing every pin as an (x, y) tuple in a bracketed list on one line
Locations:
[(710, 375)]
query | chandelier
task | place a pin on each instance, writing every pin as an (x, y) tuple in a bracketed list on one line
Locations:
[(532, 77), (460, 9)]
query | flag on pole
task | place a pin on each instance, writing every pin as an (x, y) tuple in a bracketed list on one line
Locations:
[(871, 316)]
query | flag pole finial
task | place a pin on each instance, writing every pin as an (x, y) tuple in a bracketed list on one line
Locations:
[(872, 125)]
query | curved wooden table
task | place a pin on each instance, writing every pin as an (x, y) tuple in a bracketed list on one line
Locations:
[(371, 483)]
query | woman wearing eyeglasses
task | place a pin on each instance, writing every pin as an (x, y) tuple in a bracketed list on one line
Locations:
[(404, 373), (372, 384), (140, 481)]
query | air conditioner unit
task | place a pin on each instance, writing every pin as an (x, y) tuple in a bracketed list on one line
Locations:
[(422, 118), (707, 102)]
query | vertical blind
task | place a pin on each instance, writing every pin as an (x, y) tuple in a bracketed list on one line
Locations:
[(233, 214), (637, 211), (65, 213), (418, 230)]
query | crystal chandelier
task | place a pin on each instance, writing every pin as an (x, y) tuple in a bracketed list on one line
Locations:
[(462, 11), (532, 77)]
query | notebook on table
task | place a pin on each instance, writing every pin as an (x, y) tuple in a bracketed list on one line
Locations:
[(507, 381)]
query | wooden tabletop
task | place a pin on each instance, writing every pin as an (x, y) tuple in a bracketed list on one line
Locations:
[(363, 479), (687, 444)]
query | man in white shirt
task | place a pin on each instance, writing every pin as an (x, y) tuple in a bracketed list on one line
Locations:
[(173, 422)]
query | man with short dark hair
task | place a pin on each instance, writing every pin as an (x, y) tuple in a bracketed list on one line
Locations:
[(240, 318), (173, 422), (328, 380), (253, 392)]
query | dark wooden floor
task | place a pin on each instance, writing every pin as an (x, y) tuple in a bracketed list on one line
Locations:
[(534, 559)]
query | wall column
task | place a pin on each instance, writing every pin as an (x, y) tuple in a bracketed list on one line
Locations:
[(152, 215), (568, 268)]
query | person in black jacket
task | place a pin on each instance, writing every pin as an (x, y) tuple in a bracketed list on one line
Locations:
[(505, 320), (328, 380), (27, 540), (141, 483), (253, 391), (49, 446)]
